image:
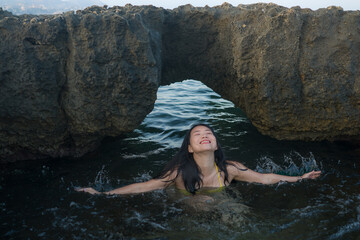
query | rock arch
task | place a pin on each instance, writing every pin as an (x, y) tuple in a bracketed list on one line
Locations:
[(69, 80)]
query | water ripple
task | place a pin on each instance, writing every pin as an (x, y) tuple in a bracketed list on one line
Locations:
[(38, 200), (180, 105)]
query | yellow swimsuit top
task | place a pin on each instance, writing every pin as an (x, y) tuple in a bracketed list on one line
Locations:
[(217, 170), (209, 190)]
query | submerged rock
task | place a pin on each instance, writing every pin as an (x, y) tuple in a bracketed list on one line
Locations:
[(69, 80)]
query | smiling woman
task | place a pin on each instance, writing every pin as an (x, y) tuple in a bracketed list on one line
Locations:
[(200, 163), (38, 201)]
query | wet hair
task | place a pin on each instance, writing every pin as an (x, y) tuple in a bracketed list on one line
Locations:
[(183, 162)]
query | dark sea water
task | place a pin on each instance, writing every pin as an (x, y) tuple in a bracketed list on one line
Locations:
[(38, 200)]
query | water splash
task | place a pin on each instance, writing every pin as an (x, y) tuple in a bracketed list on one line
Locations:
[(294, 164), (326, 208), (140, 219), (143, 177), (102, 180), (307, 163), (267, 165)]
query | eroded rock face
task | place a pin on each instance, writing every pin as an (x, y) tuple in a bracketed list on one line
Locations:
[(67, 81), (294, 72)]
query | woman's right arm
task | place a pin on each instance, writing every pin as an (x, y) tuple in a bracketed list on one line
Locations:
[(151, 185)]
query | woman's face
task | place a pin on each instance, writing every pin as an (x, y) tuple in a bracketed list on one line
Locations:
[(202, 139)]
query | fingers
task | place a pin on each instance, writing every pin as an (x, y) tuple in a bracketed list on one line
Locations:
[(314, 174), (87, 190), (80, 189)]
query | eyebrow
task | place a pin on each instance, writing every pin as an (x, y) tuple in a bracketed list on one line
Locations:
[(207, 130)]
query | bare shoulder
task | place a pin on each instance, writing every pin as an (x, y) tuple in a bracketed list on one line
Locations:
[(234, 167), (176, 177), (171, 175)]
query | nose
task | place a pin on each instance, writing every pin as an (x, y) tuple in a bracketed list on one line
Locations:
[(204, 135)]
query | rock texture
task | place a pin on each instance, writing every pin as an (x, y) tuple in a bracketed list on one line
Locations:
[(294, 72), (69, 80)]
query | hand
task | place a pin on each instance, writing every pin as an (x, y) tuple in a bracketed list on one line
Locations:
[(311, 175), (88, 190)]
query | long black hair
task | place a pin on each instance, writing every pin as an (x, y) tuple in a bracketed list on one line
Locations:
[(183, 162)]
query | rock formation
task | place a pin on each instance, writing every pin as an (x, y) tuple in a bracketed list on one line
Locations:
[(294, 72), (69, 80)]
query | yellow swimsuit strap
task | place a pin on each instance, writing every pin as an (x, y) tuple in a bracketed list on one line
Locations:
[(217, 170)]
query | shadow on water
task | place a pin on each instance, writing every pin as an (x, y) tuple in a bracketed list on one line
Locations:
[(38, 200)]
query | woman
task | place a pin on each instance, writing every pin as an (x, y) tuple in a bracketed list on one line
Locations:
[(200, 163)]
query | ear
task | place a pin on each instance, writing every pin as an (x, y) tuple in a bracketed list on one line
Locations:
[(190, 149)]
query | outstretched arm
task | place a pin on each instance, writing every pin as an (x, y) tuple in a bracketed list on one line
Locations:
[(265, 178), (151, 185)]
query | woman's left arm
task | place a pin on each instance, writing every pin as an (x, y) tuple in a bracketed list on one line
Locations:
[(265, 178)]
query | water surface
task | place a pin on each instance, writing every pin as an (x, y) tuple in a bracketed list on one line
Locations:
[(38, 200)]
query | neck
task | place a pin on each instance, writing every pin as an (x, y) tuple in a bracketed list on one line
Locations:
[(205, 161)]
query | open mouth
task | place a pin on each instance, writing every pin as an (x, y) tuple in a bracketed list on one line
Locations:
[(205, 141)]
